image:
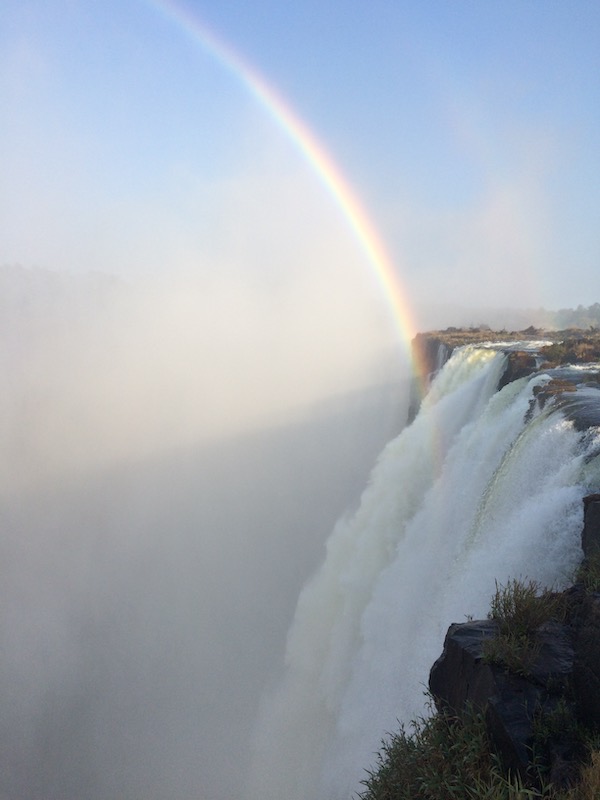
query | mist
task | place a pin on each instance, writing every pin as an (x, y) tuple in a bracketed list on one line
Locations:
[(169, 480)]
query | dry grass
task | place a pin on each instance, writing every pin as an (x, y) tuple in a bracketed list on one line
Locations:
[(589, 786)]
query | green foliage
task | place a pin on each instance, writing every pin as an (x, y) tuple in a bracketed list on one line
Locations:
[(559, 722), (446, 757), (553, 725), (589, 573), (442, 758)]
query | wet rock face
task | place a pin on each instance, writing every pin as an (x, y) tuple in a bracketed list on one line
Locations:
[(586, 678), (510, 716), (590, 538)]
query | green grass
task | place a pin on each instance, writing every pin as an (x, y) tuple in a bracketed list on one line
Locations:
[(442, 756), (521, 607), (445, 757)]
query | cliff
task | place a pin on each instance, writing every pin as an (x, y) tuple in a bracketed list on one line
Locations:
[(533, 668)]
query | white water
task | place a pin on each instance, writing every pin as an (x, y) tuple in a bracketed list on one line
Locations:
[(469, 494)]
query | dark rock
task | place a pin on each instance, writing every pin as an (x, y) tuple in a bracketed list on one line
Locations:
[(429, 352), (509, 717), (586, 677), (512, 703), (590, 538), (460, 676), (553, 665), (531, 729)]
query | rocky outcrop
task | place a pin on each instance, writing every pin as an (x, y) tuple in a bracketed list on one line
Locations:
[(460, 676), (519, 364), (430, 352), (532, 713), (515, 705)]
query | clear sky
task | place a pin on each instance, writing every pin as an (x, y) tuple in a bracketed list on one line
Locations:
[(470, 131)]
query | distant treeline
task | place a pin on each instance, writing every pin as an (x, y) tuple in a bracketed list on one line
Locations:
[(520, 319), (579, 317)]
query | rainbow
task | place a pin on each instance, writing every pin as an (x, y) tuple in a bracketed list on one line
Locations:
[(315, 154)]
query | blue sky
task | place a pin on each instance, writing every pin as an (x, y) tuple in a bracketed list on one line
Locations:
[(470, 130)]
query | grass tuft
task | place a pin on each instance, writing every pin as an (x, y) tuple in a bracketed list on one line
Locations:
[(442, 757), (589, 785), (520, 608)]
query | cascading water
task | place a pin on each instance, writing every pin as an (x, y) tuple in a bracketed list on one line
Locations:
[(483, 486)]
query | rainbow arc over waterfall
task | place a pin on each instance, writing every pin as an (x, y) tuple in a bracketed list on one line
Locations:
[(315, 154)]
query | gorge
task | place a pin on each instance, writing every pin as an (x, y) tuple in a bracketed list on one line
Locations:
[(483, 487)]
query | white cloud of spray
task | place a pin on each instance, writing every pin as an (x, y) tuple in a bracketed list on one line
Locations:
[(167, 483)]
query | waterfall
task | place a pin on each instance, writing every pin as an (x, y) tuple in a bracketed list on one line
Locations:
[(483, 486)]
